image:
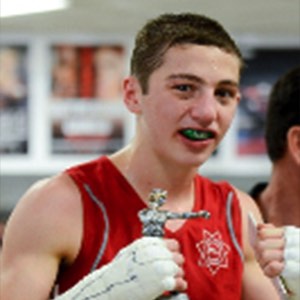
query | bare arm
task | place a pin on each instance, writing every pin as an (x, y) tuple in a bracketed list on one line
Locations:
[(32, 247), (256, 285)]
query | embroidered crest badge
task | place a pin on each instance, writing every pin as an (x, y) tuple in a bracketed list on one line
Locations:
[(213, 252)]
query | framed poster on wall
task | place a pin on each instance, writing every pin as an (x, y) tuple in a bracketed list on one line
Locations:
[(87, 116), (263, 67), (14, 99)]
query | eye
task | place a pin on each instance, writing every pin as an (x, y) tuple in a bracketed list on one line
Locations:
[(225, 95), (184, 90), (183, 87)]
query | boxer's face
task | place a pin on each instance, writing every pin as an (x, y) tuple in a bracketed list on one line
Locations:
[(190, 103)]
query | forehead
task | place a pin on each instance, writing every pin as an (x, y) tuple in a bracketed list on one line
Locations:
[(206, 62)]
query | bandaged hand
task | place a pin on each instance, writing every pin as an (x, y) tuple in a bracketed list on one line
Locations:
[(291, 270), (278, 253), (141, 271)]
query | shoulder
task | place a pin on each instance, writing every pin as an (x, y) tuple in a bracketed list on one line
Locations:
[(248, 206), (43, 231), (48, 216), (51, 196)]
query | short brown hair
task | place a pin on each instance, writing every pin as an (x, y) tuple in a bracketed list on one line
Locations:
[(283, 112), (168, 30)]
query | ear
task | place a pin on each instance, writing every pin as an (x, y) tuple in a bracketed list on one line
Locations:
[(132, 94), (293, 138)]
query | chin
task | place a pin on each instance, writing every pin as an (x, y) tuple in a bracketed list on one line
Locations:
[(192, 161)]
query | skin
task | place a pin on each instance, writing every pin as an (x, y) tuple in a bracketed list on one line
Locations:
[(270, 243), (270, 249), (196, 87)]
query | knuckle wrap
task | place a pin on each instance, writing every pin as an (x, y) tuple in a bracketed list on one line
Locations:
[(141, 271), (292, 252), (291, 271)]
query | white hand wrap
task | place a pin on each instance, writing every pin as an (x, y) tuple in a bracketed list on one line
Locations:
[(291, 271), (141, 271)]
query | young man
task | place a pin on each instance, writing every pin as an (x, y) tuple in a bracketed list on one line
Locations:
[(278, 248), (184, 91)]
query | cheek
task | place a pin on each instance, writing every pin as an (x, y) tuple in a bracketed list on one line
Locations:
[(163, 110), (226, 116), (154, 118)]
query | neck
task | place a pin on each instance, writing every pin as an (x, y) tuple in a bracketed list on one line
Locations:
[(145, 171), (280, 201)]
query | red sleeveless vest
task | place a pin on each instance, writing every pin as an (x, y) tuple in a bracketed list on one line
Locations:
[(212, 248)]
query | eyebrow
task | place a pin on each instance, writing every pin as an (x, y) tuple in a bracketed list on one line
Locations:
[(200, 80), (186, 76)]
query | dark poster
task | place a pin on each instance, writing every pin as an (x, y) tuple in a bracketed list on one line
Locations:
[(263, 68)]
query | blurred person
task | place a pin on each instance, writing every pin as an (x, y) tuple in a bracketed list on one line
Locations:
[(13, 88), (278, 245), (65, 81), (80, 232), (109, 69)]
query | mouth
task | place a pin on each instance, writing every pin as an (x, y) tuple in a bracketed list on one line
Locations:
[(197, 135)]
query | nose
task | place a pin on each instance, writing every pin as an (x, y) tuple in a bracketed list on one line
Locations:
[(204, 108)]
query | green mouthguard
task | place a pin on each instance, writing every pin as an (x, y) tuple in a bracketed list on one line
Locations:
[(195, 134)]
